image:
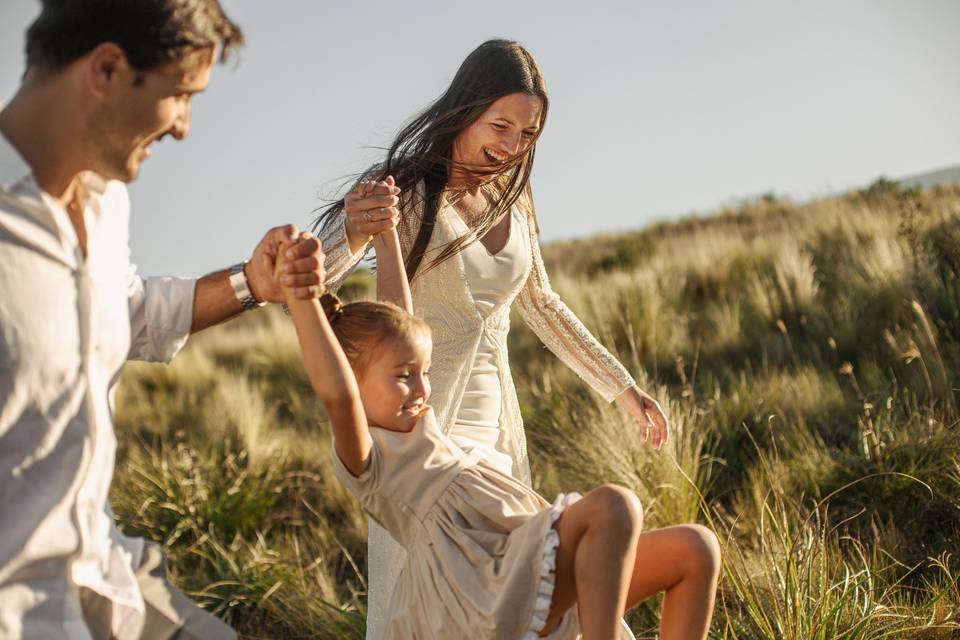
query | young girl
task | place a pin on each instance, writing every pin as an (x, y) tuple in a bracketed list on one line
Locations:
[(487, 557)]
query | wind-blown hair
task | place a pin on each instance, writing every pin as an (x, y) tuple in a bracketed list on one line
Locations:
[(422, 150)]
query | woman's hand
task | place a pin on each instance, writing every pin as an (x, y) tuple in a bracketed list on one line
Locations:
[(648, 414), (371, 209)]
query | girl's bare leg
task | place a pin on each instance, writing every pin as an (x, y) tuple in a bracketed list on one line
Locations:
[(684, 561), (595, 560)]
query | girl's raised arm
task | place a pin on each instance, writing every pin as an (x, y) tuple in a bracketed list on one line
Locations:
[(333, 381), (392, 285)]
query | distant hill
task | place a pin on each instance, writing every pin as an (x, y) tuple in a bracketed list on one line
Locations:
[(930, 179)]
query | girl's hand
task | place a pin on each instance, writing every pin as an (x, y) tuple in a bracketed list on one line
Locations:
[(371, 208), (297, 269), (306, 273), (648, 414), (281, 268)]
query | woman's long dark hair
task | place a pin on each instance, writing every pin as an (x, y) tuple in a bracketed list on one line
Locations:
[(422, 150)]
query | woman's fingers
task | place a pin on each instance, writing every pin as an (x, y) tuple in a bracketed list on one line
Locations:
[(356, 201), (376, 214), (367, 189), (371, 208), (658, 423), (374, 221), (647, 413)]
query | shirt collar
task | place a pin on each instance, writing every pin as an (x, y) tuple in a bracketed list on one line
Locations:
[(13, 168)]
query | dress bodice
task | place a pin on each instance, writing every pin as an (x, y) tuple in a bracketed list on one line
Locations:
[(492, 277), (493, 280)]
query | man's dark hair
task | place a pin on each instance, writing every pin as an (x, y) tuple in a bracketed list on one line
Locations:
[(150, 32)]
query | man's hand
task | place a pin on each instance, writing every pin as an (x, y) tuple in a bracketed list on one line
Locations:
[(303, 273)]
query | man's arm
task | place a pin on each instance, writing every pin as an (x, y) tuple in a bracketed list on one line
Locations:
[(215, 301)]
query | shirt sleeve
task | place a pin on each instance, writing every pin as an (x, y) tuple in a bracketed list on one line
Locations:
[(161, 313), (563, 333), (365, 485)]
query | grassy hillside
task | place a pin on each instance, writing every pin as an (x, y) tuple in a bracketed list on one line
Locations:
[(808, 358)]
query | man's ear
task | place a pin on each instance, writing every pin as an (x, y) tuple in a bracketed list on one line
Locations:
[(106, 67)]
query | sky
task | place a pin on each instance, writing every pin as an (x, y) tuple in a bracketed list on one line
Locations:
[(658, 109)]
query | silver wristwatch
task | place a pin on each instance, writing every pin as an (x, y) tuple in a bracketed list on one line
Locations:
[(241, 288)]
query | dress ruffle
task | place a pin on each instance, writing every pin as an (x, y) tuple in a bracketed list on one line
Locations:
[(548, 567)]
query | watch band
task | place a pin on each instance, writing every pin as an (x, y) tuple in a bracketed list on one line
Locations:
[(241, 288)]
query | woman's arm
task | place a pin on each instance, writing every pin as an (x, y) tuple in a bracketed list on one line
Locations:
[(563, 333), (333, 381)]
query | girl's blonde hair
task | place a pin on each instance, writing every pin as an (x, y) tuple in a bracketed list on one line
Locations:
[(361, 326)]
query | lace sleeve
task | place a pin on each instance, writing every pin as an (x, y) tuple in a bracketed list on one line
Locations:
[(563, 333), (338, 262), (411, 217)]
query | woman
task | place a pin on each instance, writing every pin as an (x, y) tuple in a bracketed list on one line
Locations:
[(469, 237)]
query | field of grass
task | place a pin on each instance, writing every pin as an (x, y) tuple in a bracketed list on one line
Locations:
[(806, 356)]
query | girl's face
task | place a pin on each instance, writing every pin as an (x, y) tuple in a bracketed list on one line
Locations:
[(506, 129), (395, 383)]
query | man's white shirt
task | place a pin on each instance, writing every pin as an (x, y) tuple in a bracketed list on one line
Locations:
[(67, 325)]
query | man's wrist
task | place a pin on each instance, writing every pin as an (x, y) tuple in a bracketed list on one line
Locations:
[(241, 287)]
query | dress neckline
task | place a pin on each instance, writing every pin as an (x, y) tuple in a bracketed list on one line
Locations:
[(508, 216)]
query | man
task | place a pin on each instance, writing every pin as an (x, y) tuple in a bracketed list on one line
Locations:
[(105, 80)]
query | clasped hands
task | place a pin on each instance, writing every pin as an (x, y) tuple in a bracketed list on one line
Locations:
[(371, 209), (301, 269)]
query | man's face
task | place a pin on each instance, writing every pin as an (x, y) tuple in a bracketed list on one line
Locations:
[(143, 107)]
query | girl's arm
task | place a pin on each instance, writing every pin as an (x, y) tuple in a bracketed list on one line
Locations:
[(333, 381), (392, 285)]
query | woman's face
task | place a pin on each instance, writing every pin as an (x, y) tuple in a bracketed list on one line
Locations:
[(506, 129)]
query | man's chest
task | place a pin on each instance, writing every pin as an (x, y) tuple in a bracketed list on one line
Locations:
[(57, 318)]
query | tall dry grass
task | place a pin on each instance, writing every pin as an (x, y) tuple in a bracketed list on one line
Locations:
[(806, 355)]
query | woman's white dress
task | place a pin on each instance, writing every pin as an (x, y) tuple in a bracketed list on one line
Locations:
[(491, 277), (466, 301)]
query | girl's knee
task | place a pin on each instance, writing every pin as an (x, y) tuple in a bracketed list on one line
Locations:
[(618, 507), (703, 549)]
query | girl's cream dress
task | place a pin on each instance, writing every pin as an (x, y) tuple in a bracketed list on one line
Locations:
[(481, 547), (466, 300)]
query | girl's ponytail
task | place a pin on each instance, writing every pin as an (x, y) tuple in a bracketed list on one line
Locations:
[(332, 307)]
